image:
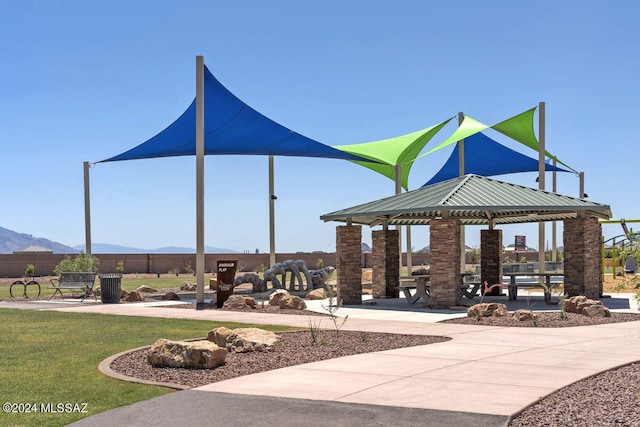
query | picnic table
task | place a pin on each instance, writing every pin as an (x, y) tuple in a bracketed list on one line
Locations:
[(420, 283), (533, 280)]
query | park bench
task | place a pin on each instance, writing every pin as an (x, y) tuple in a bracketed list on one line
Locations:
[(531, 280), (75, 281)]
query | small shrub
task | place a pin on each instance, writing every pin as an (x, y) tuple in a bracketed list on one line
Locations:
[(319, 263), (81, 263), (30, 271), (120, 267)]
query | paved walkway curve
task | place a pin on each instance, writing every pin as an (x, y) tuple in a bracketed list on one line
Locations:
[(481, 377)]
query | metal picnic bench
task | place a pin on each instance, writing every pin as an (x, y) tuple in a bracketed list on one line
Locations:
[(469, 286), (79, 281), (532, 280)]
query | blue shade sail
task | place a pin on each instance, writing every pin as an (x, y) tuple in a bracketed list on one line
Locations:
[(485, 157), (230, 127)]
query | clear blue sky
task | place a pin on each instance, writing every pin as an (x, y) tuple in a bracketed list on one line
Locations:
[(86, 80)]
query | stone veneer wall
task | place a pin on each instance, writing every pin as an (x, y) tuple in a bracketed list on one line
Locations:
[(491, 259), (582, 257), (445, 263), (386, 263), (349, 263)]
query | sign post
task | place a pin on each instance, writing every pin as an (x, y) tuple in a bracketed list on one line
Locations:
[(226, 275)]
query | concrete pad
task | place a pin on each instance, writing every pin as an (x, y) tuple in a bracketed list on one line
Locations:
[(382, 363), (300, 383), (595, 361), (454, 350), (450, 395), (627, 345), (498, 372)]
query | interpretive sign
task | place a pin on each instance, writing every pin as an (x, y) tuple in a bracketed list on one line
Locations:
[(226, 275), (521, 242)]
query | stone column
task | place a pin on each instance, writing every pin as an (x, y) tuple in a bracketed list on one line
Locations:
[(582, 257), (491, 259), (445, 277), (386, 263), (349, 263)]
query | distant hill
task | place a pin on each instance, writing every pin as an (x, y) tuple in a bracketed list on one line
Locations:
[(105, 248), (12, 241)]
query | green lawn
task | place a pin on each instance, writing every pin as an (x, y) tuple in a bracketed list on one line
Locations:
[(129, 283), (52, 357)]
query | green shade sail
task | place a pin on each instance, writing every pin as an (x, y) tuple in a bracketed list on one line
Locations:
[(401, 150), (468, 127), (405, 149)]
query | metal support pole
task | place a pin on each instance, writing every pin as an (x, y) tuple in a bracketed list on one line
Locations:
[(87, 211), (463, 240), (199, 182), (398, 170), (554, 235), (272, 213), (541, 159)]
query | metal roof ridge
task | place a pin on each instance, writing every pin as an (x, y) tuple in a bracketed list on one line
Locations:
[(458, 186)]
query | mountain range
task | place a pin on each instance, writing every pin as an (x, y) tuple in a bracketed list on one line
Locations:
[(105, 248), (11, 241)]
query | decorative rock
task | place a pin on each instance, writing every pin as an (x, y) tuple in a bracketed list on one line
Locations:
[(133, 296), (242, 340), (188, 286), (251, 302), (524, 315), (420, 272), (146, 289), (170, 296), (201, 354), (275, 297), (597, 310), (578, 304), (96, 290), (291, 301), (237, 302), (487, 309), (320, 293)]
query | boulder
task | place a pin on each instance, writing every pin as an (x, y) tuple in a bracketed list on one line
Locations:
[(276, 296), (596, 310), (578, 304), (293, 302), (96, 290), (133, 296), (146, 289), (523, 315), (487, 309), (170, 296), (238, 302), (201, 354), (188, 286), (320, 293), (250, 301), (242, 340)]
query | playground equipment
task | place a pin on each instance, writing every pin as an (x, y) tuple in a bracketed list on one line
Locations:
[(629, 235)]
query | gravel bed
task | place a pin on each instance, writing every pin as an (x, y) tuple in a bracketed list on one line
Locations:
[(607, 399), (547, 320), (294, 348)]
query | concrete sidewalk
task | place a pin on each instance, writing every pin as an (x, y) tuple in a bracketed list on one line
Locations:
[(480, 377)]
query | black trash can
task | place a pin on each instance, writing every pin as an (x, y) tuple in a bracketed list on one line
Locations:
[(110, 288)]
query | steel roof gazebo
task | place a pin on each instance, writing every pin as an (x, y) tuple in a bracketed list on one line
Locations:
[(470, 200)]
